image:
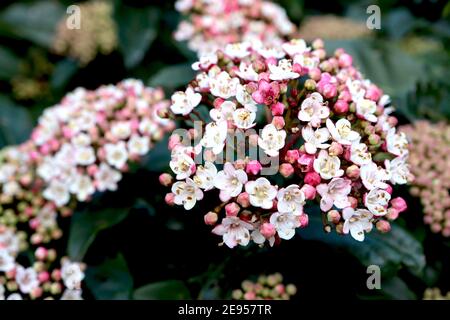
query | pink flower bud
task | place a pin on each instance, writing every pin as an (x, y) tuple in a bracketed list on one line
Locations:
[(297, 68), (292, 156), (329, 91), (174, 140), (373, 93), (340, 107), (170, 198), (389, 189), (277, 109), (304, 220), (218, 102), (253, 167), (92, 169), (43, 276), (249, 295), (318, 44), (333, 216), (286, 169), (267, 230), (239, 164), (353, 172), (353, 202), (392, 214), (312, 178), (335, 149), (278, 122), (243, 199), (309, 191), (36, 293), (232, 209), (41, 253), (345, 60), (315, 74), (383, 226), (345, 96), (399, 204), (210, 218), (165, 179)]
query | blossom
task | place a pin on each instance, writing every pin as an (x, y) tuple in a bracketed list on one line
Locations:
[(334, 193), (271, 140), (223, 85), (184, 102), (84, 156), (82, 187), (72, 274), (261, 193), (398, 170), (396, 143), (315, 139), (328, 166), (247, 72), (230, 181), (244, 119), (237, 50), (225, 112), (57, 192), (285, 224), (373, 176), (282, 71), (138, 145), (234, 231), (342, 132), (357, 222), (106, 178), (359, 153), (295, 46), (291, 200), (182, 164), (26, 279), (377, 200), (366, 109), (116, 154), (186, 193), (205, 176), (267, 93), (312, 110), (215, 135), (6, 261)]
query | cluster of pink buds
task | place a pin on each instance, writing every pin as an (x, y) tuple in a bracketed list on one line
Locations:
[(269, 287), (44, 278), (210, 25), (328, 133), (430, 164), (83, 144)]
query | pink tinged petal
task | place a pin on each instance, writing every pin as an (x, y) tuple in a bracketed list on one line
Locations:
[(326, 203), (224, 196), (219, 230), (322, 189), (357, 233)]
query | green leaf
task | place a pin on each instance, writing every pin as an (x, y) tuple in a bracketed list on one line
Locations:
[(137, 30), (173, 77), (9, 64), (389, 251), (35, 22), (158, 158), (85, 226), (111, 280), (164, 290), (15, 123), (63, 72)]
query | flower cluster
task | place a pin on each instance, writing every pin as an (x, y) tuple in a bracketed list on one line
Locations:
[(269, 287), (83, 144), (211, 25), (435, 294), (97, 32), (327, 128), (430, 164)]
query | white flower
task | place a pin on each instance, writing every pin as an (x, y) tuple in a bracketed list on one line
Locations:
[(396, 143), (234, 231), (295, 46), (138, 145), (205, 176), (26, 279), (121, 130), (184, 102), (106, 178), (215, 136), (2, 292), (237, 50), (312, 110), (116, 154), (359, 154), (305, 61), (327, 166), (47, 217), (285, 224), (243, 118), (258, 238), (334, 193), (14, 296), (315, 139), (223, 85), (72, 275), (398, 170), (9, 241), (84, 156), (357, 222), (366, 109), (147, 126), (230, 181), (271, 52), (181, 164), (356, 88), (283, 71), (247, 72), (11, 188), (205, 61), (186, 193), (373, 176), (6, 261), (57, 192), (81, 139), (224, 112), (377, 201), (245, 98), (261, 193), (342, 132), (69, 294), (271, 140), (291, 200), (83, 187)]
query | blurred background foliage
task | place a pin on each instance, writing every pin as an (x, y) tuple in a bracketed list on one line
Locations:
[(135, 246)]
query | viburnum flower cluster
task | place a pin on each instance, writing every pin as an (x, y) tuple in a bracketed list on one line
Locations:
[(269, 287), (430, 164), (211, 25), (330, 130)]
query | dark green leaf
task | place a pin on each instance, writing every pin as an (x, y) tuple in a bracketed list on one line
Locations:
[(158, 159), (9, 64), (172, 77), (15, 123), (35, 22), (64, 70), (137, 30), (111, 280), (87, 224), (164, 290)]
